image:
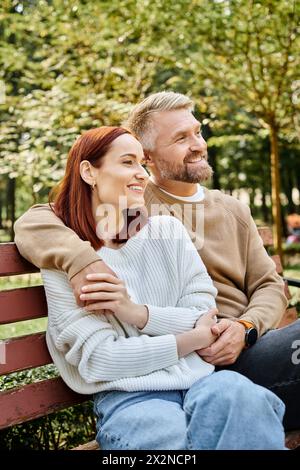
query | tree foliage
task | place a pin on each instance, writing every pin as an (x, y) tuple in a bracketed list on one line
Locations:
[(68, 65)]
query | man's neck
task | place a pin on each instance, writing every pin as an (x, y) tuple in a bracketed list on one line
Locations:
[(178, 188)]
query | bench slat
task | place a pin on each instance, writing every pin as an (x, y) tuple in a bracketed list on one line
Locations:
[(289, 316), (25, 352), (266, 235), (21, 304), (277, 261), (12, 263), (36, 400)]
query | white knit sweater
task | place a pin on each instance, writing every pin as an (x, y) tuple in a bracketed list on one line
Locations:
[(161, 269)]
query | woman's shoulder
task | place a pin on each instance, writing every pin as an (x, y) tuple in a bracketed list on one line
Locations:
[(167, 226), (165, 221)]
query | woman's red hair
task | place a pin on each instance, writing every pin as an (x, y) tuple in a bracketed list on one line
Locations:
[(72, 197)]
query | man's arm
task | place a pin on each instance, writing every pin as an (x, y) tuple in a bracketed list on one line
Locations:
[(44, 240), (264, 287), (267, 303)]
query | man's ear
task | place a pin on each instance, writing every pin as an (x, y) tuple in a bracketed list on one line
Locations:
[(147, 159)]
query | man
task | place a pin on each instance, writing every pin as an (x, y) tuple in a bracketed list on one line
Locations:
[(251, 298)]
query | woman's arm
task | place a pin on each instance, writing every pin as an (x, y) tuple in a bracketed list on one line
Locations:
[(101, 353), (197, 294), (91, 343)]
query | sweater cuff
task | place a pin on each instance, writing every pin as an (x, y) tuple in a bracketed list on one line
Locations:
[(164, 350), (156, 321), (82, 259), (162, 321)]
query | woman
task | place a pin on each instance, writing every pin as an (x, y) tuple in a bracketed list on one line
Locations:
[(138, 354)]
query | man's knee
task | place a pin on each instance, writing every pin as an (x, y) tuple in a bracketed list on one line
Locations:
[(220, 387), (225, 389)]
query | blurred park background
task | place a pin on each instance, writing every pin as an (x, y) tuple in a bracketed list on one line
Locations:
[(69, 65)]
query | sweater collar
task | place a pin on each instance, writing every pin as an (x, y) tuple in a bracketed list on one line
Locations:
[(153, 188)]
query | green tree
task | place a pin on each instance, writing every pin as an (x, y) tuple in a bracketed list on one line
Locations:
[(250, 55)]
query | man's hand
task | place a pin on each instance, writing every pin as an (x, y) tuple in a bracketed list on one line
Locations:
[(80, 280), (228, 346)]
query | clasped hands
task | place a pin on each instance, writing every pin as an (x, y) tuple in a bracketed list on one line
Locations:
[(106, 292)]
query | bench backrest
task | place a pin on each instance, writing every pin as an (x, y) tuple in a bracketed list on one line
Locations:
[(26, 352), (290, 314)]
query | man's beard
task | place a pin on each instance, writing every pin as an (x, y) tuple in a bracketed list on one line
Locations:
[(184, 172)]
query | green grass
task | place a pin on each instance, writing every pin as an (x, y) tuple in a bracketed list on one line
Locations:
[(4, 236), (293, 271), (28, 326), (23, 280), (23, 328)]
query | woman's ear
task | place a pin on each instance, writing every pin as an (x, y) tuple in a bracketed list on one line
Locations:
[(87, 172)]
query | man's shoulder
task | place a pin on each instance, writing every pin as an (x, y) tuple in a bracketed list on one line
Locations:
[(230, 204)]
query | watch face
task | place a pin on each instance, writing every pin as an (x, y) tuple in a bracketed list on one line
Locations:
[(251, 336)]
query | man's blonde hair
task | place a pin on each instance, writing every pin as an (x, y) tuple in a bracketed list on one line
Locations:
[(140, 121)]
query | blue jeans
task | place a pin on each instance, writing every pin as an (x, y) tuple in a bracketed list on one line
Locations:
[(224, 410)]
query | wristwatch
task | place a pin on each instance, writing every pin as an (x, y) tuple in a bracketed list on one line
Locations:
[(251, 334)]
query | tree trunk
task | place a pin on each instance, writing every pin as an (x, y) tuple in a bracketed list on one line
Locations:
[(289, 191), (214, 163), (212, 158), (275, 180), (251, 193), (264, 207), (11, 190)]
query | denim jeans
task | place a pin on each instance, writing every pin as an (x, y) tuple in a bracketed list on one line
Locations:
[(274, 363), (224, 410)]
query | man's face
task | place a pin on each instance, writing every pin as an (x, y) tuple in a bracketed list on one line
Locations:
[(180, 152)]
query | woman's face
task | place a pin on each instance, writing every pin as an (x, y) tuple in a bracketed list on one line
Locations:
[(121, 179)]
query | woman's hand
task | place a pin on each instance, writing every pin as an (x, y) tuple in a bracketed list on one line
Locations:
[(208, 319), (201, 336), (107, 292), (204, 327)]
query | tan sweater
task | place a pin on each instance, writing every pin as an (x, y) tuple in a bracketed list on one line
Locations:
[(230, 247)]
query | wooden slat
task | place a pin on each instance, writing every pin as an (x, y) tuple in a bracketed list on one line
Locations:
[(11, 262), (292, 282), (277, 261), (292, 439), (266, 235), (92, 445), (21, 304), (289, 316), (25, 352), (26, 303), (36, 400)]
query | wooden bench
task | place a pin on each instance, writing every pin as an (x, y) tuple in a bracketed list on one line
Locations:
[(290, 314), (34, 400), (39, 399)]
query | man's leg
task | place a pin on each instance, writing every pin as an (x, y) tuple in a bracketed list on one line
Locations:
[(227, 411), (140, 420), (273, 362)]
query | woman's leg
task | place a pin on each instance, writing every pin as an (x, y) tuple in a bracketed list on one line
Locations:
[(140, 420), (227, 411)]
